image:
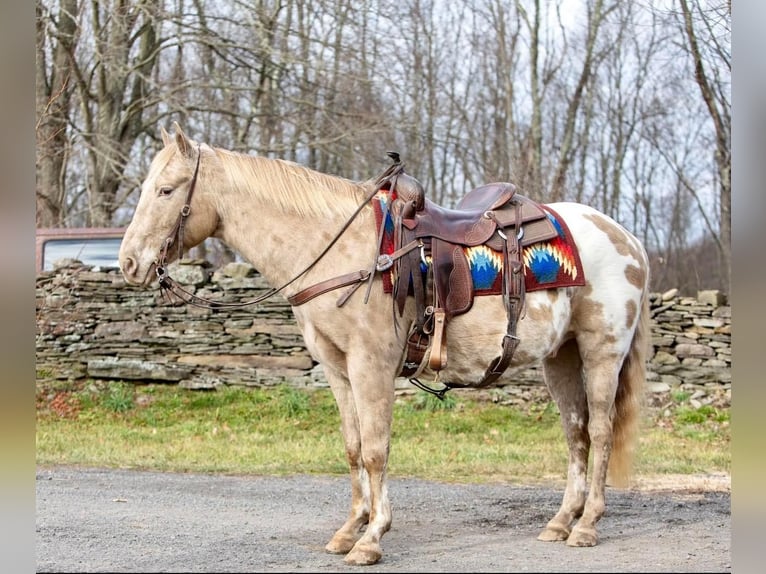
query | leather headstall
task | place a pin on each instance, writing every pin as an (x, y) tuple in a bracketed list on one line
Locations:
[(176, 235)]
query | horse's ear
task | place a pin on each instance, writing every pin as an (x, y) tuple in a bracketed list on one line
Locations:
[(166, 139), (184, 143)]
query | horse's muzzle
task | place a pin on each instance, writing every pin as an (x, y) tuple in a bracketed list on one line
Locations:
[(131, 271)]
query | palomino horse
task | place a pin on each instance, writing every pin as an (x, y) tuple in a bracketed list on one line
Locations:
[(281, 217)]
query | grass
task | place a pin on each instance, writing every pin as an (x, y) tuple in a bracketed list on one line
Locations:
[(285, 431)]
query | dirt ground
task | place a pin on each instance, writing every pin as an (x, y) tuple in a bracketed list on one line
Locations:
[(99, 520)]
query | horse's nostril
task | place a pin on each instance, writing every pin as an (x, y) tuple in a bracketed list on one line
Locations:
[(129, 267)]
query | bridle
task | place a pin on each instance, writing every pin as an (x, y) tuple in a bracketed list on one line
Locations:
[(169, 287), (177, 233)]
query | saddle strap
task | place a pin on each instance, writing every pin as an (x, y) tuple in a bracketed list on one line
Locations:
[(513, 298), (408, 272), (438, 358), (355, 278)]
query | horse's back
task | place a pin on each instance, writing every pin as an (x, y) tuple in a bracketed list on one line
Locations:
[(610, 254), (616, 267)]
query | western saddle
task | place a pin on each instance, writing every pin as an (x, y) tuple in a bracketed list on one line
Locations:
[(493, 215), (429, 263)]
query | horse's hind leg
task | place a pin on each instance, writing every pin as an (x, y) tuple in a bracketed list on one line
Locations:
[(347, 535), (564, 380), (601, 385)]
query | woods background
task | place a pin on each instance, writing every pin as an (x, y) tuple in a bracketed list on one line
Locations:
[(625, 106)]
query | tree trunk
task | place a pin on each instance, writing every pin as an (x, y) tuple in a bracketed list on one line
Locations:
[(722, 123), (53, 95)]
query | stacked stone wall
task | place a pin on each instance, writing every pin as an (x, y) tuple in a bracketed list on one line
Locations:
[(91, 324)]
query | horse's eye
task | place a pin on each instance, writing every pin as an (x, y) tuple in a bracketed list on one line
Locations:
[(165, 190)]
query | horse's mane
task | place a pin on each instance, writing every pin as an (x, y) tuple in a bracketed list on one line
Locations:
[(291, 186)]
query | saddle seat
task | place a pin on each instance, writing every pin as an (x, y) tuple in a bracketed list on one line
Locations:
[(481, 212)]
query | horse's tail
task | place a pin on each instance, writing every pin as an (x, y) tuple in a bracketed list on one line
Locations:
[(629, 400)]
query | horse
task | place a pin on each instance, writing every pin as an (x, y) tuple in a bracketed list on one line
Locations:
[(300, 228)]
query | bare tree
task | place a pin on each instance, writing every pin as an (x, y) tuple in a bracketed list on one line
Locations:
[(57, 37), (597, 13), (546, 57), (115, 93), (593, 108), (95, 93), (715, 91)]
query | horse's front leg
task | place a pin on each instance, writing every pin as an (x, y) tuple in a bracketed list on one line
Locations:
[(347, 535), (373, 393)]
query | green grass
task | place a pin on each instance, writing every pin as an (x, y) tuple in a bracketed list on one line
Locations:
[(284, 431)]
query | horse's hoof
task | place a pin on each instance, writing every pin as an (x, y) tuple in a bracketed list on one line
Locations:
[(553, 534), (582, 537), (363, 556), (340, 544)]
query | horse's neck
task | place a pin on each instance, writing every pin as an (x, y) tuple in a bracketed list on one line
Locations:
[(281, 242)]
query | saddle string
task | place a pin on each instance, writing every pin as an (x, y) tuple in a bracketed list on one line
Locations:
[(168, 286)]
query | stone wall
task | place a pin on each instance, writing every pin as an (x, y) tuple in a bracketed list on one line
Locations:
[(90, 324)]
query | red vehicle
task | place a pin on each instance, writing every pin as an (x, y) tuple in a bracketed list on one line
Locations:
[(91, 245)]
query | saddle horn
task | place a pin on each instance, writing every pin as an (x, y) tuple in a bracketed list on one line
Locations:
[(406, 187)]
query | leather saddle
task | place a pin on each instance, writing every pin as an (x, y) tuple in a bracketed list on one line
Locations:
[(429, 236)]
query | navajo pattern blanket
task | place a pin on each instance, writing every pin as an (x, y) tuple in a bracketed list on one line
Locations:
[(548, 264)]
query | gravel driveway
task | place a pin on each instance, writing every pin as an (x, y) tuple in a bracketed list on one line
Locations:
[(97, 520)]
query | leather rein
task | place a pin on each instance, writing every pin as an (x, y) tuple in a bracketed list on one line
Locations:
[(169, 287)]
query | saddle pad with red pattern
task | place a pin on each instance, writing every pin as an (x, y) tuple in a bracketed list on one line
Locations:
[(548, 264)]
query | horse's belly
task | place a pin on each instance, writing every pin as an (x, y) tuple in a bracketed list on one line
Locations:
[(474, 339)]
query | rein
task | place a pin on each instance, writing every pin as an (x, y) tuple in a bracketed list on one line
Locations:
[(170, 287)]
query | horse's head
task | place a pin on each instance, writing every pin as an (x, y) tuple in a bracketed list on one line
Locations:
[(162, 223)]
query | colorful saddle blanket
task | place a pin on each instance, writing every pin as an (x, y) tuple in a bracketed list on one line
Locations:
[(547, 264)]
